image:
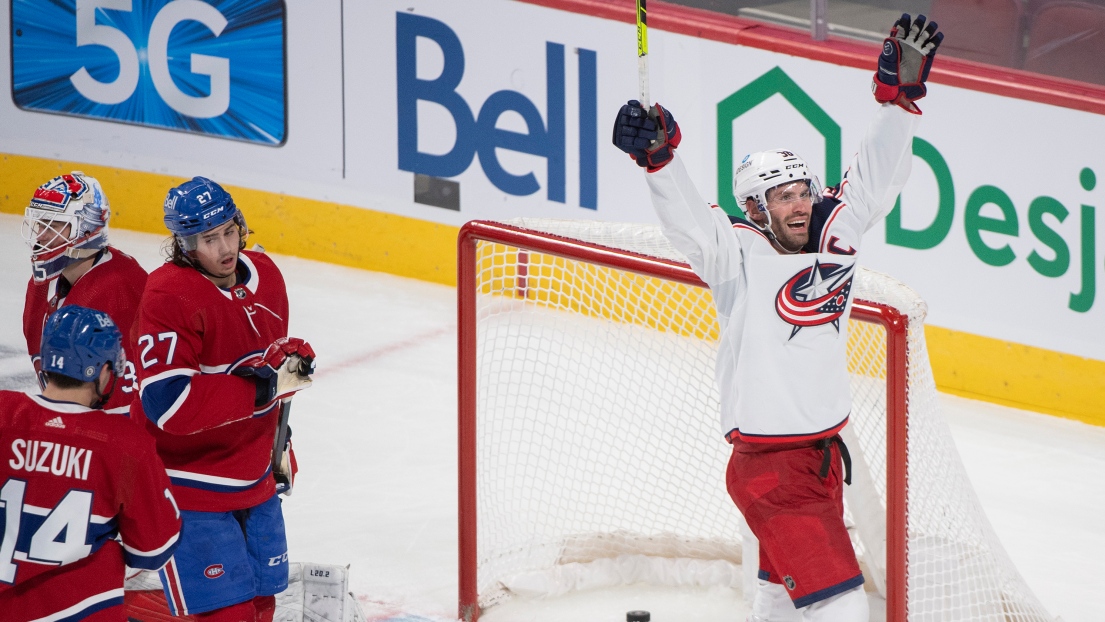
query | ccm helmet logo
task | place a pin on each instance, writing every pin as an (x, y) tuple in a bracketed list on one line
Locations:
[(212, 214), (214, 571)]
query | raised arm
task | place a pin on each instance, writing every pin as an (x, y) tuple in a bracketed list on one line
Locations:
[(699, 230), (881, 167)]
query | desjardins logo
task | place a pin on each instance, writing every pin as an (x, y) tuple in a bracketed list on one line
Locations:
[(777, 82)]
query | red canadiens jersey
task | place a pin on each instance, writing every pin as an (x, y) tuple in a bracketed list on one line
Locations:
[(113, 285), (83, 494), (217, 447)]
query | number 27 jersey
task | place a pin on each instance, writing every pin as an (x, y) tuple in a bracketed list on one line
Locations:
[(217, 447)]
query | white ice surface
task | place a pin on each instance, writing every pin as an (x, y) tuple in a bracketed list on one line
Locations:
[(376, 441)]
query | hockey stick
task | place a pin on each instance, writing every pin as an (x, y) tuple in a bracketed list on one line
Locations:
[(642, 55), (283, 480)]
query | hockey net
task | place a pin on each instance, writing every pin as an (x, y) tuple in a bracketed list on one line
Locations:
[(590, 450)]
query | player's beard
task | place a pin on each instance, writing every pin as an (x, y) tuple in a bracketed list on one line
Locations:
[(792, 240)]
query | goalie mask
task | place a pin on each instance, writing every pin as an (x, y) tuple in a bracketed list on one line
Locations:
[(66, 222), (761, 171), (198, 206)]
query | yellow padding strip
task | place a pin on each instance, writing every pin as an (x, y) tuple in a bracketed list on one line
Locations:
[(1017, 375), (339, 234)]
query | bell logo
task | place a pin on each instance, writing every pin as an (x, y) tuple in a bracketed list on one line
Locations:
[(477, 130), (214, 571)]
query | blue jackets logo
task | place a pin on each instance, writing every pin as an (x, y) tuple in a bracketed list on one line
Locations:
[(203, 67), (816, 295)]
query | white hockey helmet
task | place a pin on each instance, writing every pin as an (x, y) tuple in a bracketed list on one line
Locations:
[(65, 222), (761, 171)]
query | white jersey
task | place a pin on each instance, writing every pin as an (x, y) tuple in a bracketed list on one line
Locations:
[(781, 363)]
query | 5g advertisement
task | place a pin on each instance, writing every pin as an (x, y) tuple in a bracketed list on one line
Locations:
[(155, 63)]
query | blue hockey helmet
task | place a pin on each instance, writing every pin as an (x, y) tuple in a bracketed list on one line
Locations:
[(197, 206), (78, 341)]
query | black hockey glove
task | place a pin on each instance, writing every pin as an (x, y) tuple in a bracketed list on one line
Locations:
[(264, 377), (650, 139), (905, 62)]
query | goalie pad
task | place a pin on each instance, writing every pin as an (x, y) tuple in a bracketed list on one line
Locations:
[(315, 593)]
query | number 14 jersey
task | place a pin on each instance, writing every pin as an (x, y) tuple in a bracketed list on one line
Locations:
[(81, 492)]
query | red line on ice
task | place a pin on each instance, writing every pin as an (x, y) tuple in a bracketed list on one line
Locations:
[(385, 350)]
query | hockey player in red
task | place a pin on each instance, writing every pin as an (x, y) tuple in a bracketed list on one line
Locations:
[(72, 264), (781, 281), (83, 492), (214, 360)]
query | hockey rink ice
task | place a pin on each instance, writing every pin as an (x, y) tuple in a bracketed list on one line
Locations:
[(376, 443)]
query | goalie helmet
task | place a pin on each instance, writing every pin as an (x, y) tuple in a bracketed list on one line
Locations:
[(65, 222), (77, 342), (197, 206), (761, 171)]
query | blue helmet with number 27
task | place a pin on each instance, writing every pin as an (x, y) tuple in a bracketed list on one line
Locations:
[(77, 342), (197, 206)]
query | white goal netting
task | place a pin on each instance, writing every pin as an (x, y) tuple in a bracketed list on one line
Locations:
[(594, 455)]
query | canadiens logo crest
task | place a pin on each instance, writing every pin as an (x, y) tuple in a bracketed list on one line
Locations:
[(816, 295), (57, 192), (214, 571)]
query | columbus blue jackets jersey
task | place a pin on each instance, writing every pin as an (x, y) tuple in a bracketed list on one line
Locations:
[(82, 493), (781, 364), (217, 447)]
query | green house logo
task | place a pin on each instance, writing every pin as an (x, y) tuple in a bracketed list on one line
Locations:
[(775, 81)]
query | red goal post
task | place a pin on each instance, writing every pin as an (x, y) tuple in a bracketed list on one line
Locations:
[(521, 257)]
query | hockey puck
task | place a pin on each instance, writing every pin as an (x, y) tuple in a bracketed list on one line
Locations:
[(637, 616)]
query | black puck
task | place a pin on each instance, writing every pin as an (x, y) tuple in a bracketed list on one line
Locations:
[(637, 616)]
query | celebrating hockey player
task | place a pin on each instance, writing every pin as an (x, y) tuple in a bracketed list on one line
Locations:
[(66, 227), (214, 362), (781, 281), (83, 491)]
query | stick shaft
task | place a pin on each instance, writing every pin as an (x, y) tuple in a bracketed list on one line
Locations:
[(642, 54), (281, 437)]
